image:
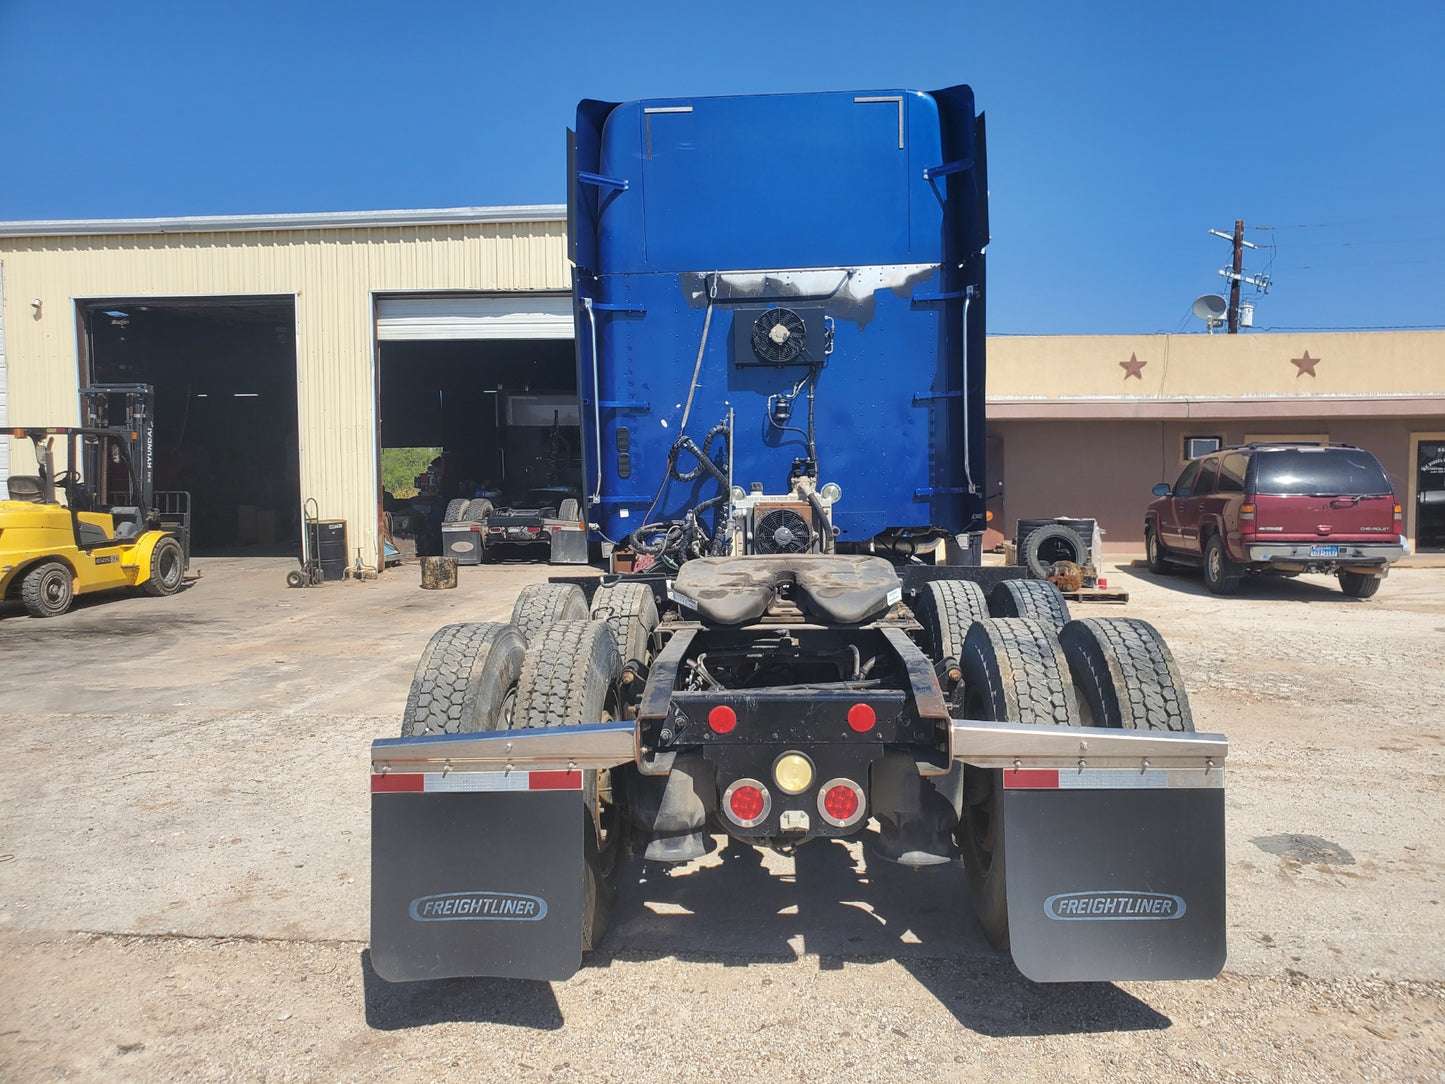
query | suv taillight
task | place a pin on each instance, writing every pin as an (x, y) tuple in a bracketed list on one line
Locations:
[(1246, 519), (1399, 518)]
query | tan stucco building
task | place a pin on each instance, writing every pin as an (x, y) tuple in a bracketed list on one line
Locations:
[(275, 342), (1084, 426)]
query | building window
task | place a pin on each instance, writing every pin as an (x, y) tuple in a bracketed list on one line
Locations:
[(1194, 447)]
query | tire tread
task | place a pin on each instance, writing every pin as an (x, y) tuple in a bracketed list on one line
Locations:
[(1125, 672)]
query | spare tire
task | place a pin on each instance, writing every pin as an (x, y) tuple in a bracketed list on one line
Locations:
[(1047, 545)]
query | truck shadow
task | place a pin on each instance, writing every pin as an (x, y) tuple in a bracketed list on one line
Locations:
[(845, 909), (1254, 588), (739, 907), (392, 1006)]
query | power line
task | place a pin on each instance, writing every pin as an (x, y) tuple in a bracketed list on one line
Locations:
[(1363, 327)]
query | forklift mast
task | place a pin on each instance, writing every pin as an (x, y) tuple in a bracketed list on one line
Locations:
[(129, 409)]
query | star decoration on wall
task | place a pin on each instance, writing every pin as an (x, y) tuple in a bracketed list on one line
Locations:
[(1132, 367), (1305, 364)]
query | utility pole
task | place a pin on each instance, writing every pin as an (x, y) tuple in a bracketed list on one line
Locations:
[(1235, 274), (1234, 279)]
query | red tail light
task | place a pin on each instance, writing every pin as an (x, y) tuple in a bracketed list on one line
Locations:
[(1246, 511), (1399, 520), (861, 718), (747, 802), (534, 530), (841, 802), (722, 719)]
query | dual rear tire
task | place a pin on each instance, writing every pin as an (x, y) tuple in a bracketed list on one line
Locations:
[(486, 677), (1112, 672)]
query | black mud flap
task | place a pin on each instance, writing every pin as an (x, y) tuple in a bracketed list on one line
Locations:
[(476, 873), (1115, 874)]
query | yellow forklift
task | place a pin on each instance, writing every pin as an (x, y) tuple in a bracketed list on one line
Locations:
[(93, 524)]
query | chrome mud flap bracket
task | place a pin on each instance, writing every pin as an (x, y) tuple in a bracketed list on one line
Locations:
[(477, 850), (1114, 849)]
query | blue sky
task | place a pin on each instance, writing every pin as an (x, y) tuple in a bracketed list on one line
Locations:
[(1119, 133)]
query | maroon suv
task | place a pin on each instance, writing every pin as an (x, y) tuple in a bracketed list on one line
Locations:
[(1278, 508)]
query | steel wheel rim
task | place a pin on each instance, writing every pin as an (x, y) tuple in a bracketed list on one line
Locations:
[(53, 587)]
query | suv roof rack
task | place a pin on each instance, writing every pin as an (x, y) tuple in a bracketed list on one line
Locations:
[(1285, 444)]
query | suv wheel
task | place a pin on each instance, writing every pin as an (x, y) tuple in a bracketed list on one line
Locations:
[(1359, 584), (1154, 553), (1220, 573)]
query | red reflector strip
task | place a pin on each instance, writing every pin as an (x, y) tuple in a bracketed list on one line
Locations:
[(554, 781), (1111, 778), (392, 783), (464, 782), (1031, 778)]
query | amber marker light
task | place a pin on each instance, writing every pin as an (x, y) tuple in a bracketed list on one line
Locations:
[(793, 772)]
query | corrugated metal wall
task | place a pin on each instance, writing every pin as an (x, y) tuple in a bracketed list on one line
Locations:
[(4, 413), (331, 272)]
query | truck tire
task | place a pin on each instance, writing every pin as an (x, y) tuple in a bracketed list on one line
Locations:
[(1038, 600), (1013, 671), (570, 510), (541, 604), (465, 682), (631, 610), (1221, 575), (1154, 553), (1359, 584), (456, 509), (478, 510), (1046, 545), (48, 589), (1124, 675), (947, 609), (168, 566), (569, 676)]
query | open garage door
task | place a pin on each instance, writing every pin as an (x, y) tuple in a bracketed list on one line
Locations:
[(441, 319), (477, 399), (224, 373)]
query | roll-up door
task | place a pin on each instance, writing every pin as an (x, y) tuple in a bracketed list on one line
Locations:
[(525, 316)]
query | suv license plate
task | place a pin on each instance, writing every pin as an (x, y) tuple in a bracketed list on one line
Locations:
[(1324, 551)]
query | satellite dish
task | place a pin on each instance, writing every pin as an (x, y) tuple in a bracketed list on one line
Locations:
[(1210, 308)]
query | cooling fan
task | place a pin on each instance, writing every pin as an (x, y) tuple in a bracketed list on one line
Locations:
[(779, 336), (782, 531)]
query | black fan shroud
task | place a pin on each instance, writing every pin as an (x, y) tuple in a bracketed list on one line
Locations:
[(782, 531), (779, 336)]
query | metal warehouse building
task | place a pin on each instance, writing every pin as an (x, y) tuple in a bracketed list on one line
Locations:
[(288, 350)]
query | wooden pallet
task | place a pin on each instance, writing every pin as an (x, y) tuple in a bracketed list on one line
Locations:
[(1093, 594)]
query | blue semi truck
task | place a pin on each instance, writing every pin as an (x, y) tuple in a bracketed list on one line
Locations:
[(780, 328)]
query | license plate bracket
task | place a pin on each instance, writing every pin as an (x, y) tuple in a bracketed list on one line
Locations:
[(1324, 551)]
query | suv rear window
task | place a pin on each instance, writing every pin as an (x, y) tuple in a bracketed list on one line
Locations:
[(1323, 472)]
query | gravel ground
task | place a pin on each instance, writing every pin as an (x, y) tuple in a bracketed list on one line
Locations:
[(183, 869)]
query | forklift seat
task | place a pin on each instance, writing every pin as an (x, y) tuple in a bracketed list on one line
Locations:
[(26, 487)]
